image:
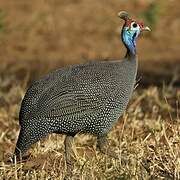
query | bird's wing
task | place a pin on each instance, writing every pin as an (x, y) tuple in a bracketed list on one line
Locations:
[(68, 103), (76, 90)]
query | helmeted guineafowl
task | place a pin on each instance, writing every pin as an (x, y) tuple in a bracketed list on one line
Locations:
[(87, 98)]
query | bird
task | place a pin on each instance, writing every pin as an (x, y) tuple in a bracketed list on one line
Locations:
[(84, 98)]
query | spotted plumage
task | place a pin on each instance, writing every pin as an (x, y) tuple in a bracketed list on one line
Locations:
[(87, 98)]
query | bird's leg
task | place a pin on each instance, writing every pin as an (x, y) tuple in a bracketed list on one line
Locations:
[(22, 145), (69, 154), (102, 144)]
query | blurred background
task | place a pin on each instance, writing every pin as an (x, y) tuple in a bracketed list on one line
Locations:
[(39, 36)]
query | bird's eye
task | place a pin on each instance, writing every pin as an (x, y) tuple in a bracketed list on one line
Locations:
[(134, 25)]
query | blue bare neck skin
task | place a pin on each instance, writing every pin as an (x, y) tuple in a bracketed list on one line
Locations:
[(129, 40)]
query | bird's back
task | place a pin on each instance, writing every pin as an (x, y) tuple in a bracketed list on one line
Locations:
[(81, 96)]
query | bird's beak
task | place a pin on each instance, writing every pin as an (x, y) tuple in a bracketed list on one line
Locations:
[(146, 29)]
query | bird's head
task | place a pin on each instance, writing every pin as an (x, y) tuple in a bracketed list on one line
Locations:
[(131, 30)]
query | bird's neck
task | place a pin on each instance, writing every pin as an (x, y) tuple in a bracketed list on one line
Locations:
[(129, 41)]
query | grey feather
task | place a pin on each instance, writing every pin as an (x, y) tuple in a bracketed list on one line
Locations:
[(86, 98)]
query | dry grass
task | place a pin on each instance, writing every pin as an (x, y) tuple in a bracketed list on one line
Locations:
[(147, 136), (53, 33)]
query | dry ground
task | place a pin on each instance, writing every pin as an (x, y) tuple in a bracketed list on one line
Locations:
[(38, 36), (147, 136)]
